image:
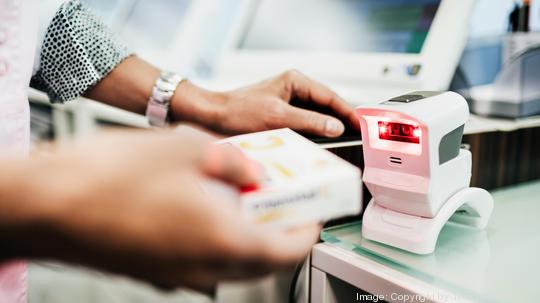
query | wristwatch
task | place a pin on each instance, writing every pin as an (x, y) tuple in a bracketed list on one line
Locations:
[(159, 104)]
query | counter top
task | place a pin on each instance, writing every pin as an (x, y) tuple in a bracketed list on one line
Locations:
[(498, 264)]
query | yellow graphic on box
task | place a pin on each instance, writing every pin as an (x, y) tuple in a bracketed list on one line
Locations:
[(270, 216), (283, 170), (273, 142)]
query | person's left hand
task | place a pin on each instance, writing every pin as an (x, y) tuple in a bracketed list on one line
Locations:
[(264, 106)]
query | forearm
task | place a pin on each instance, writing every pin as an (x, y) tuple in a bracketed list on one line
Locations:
[(40, 212), (129, 86)]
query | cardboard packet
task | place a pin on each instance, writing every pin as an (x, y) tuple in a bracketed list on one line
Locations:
[(304, 183)]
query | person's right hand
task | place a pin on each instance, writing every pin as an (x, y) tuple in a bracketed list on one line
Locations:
[(270, 104), (131, 203)]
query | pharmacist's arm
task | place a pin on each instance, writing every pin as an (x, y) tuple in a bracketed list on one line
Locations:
[(128, 203), (73, 66), (261, 106)]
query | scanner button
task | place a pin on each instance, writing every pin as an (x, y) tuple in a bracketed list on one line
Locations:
[(407, 98), (400, 219)]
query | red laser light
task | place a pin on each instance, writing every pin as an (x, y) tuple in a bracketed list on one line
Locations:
[(399, 132)]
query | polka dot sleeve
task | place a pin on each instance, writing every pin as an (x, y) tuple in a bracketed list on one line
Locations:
[(78, 51)]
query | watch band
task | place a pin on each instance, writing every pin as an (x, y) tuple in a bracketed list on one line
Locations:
[(159, 104)]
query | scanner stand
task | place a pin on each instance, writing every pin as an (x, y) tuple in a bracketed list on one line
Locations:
[(470, 206)]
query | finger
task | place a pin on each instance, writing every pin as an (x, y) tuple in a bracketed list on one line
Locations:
[(311, 90), (285, 248), (312, 122), (227, 163)]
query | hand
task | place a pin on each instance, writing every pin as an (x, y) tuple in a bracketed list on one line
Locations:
[(131, 203), (264, 106)]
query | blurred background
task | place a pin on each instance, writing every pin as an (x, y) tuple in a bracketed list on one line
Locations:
[(201, 30)]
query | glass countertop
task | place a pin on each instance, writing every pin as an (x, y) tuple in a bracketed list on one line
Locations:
[(498, 264)]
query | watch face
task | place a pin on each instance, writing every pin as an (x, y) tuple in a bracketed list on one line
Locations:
[(160, 96), (166, 86)]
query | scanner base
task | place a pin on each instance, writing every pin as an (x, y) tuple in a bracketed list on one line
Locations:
[(469, 206)]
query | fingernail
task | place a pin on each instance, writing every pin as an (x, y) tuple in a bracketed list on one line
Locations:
[(334, 127)]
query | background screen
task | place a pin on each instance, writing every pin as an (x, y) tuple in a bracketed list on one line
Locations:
[(395, 26), (142, 23)]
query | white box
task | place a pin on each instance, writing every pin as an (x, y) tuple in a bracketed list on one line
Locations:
[(304, 183)]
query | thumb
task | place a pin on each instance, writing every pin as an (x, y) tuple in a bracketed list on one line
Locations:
[(229, 164)]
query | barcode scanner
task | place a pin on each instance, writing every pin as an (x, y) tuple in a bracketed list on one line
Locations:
[(416, 171)]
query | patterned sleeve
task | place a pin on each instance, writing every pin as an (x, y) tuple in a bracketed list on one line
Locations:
[(77, 52)]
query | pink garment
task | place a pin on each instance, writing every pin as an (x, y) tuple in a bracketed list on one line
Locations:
[(18, 34)]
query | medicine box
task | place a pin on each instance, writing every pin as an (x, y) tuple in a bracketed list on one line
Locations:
[(303, 183)]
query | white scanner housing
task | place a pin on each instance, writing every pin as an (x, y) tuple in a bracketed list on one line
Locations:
[(416, 178), (414, 165)]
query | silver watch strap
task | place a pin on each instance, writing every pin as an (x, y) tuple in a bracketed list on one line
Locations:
[(159, 103)]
